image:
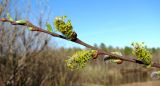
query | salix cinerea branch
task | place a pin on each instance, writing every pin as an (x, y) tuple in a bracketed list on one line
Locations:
[(80, 58)]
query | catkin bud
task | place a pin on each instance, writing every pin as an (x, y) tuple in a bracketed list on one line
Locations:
[(118, 61), (65, 27)]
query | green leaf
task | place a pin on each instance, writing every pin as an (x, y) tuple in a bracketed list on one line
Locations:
[(21, 22), (49, 27), (9, 17)]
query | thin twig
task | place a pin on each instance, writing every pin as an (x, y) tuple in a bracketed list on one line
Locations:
[(78, 41)]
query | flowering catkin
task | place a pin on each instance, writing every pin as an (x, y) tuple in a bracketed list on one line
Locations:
[(65, 28), (80, 58), (142, 53)]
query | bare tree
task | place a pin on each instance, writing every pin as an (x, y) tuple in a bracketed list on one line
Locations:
[(17, 45)]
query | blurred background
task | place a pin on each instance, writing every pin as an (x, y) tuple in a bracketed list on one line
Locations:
[(36, 59)]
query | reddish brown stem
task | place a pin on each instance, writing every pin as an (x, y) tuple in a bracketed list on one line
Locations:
[(78, 41)]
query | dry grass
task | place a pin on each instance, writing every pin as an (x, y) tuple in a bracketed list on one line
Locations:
[(148, 83)]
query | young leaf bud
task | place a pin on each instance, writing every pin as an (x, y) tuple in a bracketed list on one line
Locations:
[(30, 28), (9, 17), (49, 27), (21, 22)]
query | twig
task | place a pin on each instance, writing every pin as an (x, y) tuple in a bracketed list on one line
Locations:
[(78, 41)]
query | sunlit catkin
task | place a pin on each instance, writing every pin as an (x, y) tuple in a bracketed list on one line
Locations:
[(142, 53), (80, 58), (65, 28)]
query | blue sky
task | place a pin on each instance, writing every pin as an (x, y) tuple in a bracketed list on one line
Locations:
[(113, 22)]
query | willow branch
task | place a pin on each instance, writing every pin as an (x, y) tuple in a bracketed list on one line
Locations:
[(78, 41)]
